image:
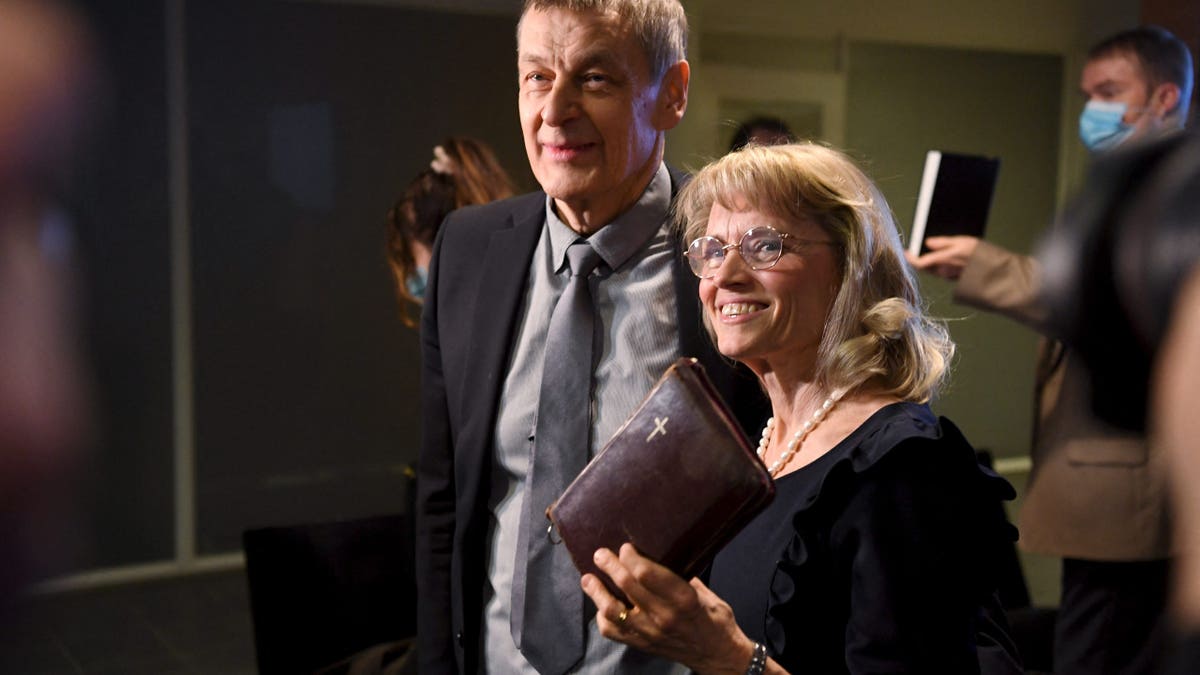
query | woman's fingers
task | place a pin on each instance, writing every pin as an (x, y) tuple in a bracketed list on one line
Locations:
[(666, 588), (651, 588), (676, 619), (614, 618), (611, 613), (622, 574)]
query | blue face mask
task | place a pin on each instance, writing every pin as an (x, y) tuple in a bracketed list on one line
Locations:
[(1100, 125), (416, 282)]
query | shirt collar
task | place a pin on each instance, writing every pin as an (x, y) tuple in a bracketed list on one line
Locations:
[(616, 242)]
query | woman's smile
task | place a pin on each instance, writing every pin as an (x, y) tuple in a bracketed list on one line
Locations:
[(736, 310)]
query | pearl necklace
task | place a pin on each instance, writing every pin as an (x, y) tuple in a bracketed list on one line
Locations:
[(799, 436)]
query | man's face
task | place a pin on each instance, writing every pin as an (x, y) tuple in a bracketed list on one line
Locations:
[(591, 116), (1119, 79)]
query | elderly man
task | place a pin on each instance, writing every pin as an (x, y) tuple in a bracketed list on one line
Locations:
[(1097, 494), (547, 319)]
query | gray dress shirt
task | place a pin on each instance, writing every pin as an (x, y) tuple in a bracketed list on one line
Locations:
[(635, 301)]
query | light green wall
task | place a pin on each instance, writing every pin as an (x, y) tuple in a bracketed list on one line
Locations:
[(902, 101)]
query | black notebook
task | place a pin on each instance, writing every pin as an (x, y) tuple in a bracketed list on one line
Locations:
[(955, 197)]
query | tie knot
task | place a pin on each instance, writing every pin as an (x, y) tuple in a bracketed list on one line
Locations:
[(583, 258)]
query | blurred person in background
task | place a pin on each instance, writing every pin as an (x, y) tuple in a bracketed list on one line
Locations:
[(1097, 493), (463, 172), (762, 130)]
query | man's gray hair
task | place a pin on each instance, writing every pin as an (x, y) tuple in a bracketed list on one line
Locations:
[(660, 26)]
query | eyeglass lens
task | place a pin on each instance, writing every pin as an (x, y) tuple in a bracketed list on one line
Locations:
[(760, 247)]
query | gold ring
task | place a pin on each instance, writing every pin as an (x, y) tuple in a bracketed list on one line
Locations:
[(623, 615)]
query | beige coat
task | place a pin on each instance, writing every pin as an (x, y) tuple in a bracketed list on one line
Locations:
[(1095, 492)]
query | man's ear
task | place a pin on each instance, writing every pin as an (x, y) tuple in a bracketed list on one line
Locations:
[(672, 96), (1164, 100)]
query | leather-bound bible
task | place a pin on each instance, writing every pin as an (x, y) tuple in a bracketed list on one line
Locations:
[(678, 480)]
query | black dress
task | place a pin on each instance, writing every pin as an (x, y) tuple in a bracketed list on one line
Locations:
[(879, 557)]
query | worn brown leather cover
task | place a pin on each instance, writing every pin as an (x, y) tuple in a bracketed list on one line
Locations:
[(678, 480)]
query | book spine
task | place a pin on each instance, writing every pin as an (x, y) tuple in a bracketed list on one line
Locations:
[(933, 161)]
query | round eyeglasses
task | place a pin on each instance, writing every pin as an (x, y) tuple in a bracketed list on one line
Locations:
[(761, 247)]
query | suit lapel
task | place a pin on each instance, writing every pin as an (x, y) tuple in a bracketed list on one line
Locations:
[(492, 321), (692, 340)]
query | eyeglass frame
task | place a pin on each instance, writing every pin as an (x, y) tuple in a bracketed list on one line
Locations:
[(783, 238)]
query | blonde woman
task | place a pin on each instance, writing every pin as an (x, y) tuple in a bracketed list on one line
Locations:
[(878, 553)]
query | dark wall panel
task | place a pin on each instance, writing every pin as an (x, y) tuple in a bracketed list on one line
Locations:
[(306, 121), (120, 207)]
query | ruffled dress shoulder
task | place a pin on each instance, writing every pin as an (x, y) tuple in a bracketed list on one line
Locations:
[(880, 556)]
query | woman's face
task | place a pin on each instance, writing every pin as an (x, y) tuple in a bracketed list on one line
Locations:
[(772, 318)]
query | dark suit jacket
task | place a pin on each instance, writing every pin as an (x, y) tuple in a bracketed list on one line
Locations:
[(477, 283)]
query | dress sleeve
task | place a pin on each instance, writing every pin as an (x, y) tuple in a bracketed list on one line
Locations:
[(909, 536)]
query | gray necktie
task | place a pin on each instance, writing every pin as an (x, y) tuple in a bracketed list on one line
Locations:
[(547, 619)]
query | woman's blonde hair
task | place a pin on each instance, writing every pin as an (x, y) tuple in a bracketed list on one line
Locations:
[(877, 334)]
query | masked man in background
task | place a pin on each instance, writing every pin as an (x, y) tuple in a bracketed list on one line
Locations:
[(1097, 493)]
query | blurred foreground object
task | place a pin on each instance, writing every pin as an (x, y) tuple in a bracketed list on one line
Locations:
[(47, 73), (1115, 265), (1123, 280)]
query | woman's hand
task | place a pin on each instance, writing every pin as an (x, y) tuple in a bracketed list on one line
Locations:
[(672, 618)]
